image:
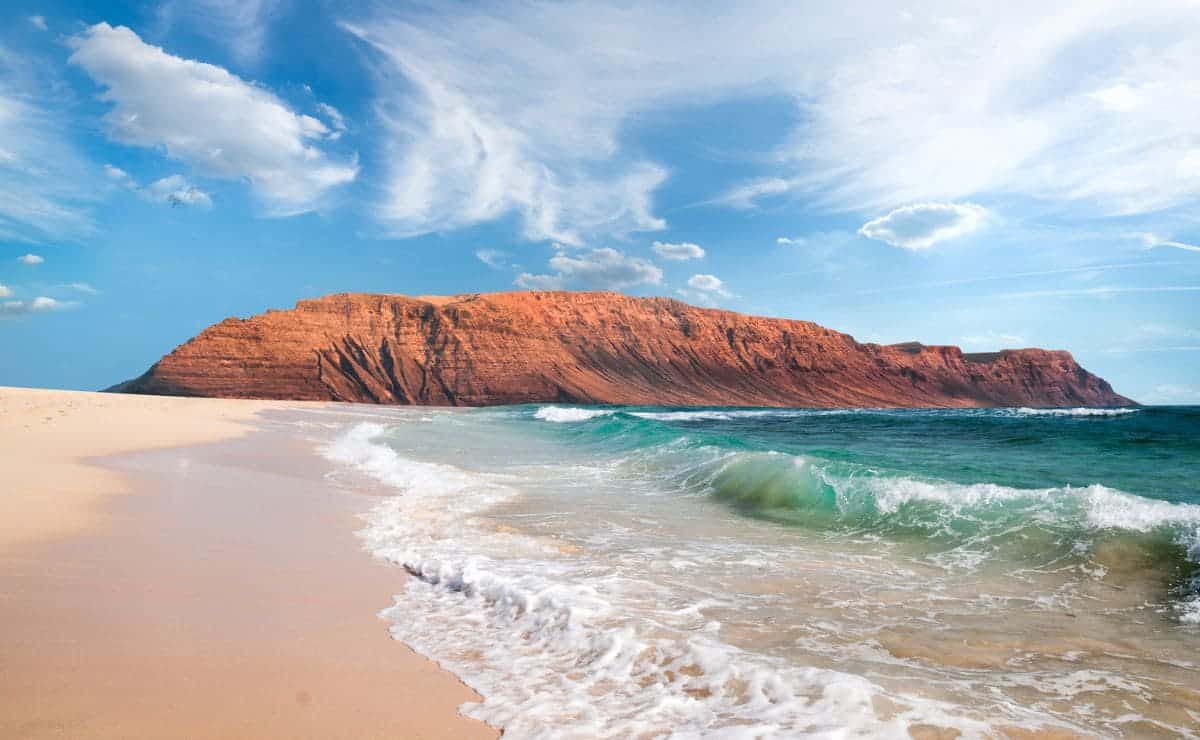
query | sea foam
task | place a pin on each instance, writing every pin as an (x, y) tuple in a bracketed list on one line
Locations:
[(566, 414), (559, 646), (1074, 412)]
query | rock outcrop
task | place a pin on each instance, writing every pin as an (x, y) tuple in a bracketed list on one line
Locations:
[(522, 347)]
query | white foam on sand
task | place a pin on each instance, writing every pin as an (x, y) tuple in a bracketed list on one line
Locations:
[(562, 644)]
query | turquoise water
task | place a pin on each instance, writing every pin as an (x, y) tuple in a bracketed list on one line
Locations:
[(783, 573)]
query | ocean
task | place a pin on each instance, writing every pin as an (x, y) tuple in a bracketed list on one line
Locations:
[(742, 573)]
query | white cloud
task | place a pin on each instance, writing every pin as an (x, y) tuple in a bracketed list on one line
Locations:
[(38, 22), (493, 258), (31, 259), (41, 304), (46, 185), (827, 239), (1121, 98), (1091, 103), (118, 174), (710, 285), (678, 252), (83, 288), (993, 340), (705, 282), (5, 291), (604, 268), (748, 194), (495, 111), (1154, 240), (241, 25), (336, 120), (203, 115), (173, 190), (922, 225), (177, 191)]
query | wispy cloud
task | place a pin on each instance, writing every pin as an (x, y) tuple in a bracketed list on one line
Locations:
[(535, 95), (241, 25), (1100, 291), (203, 115), (1152, 241), (1017, 275), (494, 258), (45, 189), (38, 22)]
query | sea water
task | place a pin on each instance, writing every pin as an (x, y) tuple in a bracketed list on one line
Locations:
[(647, 572)]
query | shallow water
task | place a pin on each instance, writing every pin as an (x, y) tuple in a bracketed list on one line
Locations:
[(623, 572)]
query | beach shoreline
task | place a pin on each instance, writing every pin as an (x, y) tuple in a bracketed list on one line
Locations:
[(179, 567)]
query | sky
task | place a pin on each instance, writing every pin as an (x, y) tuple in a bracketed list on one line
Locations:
[(1014, 174)]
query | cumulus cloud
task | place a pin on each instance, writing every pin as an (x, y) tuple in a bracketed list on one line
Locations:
[(177, 191), (604, 268), (922, 225), (5, 291), (38, 22), (678, 252), (705, 282), (31, 259), (218, 123), (710, 284), (41, 304), (173, 190)]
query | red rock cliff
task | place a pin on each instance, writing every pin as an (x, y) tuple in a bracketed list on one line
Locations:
[(507, 348)]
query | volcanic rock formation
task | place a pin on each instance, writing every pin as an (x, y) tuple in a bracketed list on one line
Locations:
[(523, 347)]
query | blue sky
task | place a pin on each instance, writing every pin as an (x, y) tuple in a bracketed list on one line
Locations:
[(1014, 175)]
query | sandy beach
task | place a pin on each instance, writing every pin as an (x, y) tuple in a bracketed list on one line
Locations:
[(178, 568)]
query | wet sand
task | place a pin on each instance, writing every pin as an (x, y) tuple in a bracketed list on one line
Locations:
[(210, 590)]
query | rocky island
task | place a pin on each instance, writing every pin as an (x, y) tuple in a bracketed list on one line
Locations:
[(596, 348)]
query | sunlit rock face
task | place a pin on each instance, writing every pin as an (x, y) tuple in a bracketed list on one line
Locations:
[(524, 347)]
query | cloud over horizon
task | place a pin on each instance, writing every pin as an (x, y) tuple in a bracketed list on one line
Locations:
[(604, 268)]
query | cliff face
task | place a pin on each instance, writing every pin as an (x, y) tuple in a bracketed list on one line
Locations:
[(508, 348)]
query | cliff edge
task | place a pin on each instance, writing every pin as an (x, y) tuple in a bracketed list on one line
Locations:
[(558, 346)]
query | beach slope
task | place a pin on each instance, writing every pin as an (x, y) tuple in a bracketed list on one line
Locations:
[(178, 568)]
